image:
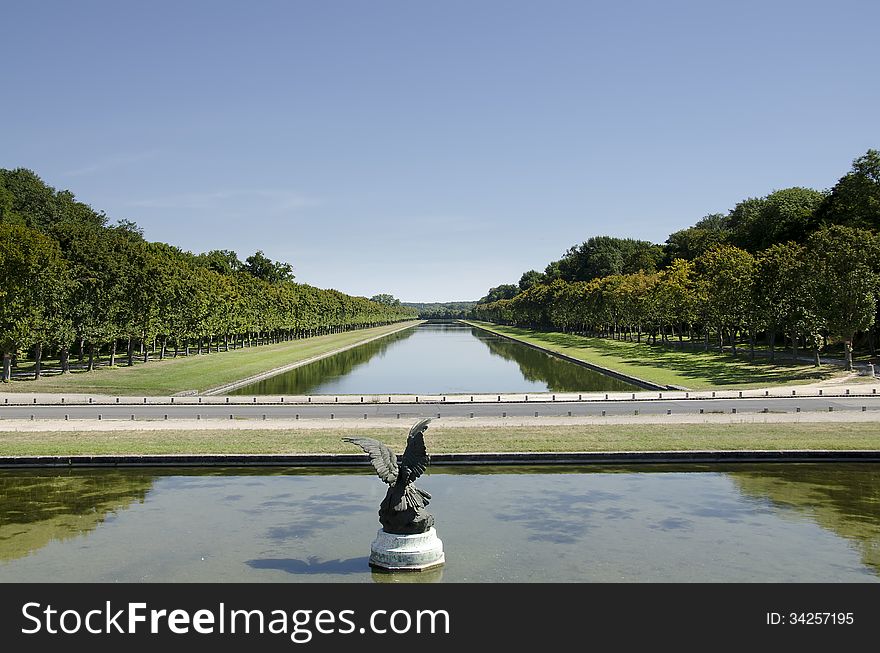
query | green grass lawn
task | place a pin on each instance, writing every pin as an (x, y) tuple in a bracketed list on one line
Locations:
[(620, 437), (199, 373), (695, 370)]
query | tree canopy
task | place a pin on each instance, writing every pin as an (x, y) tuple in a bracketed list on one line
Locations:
[(67, 278), (797, 261)]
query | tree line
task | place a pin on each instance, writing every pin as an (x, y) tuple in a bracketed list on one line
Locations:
[(442, 310), (799, 263), (71, 282)]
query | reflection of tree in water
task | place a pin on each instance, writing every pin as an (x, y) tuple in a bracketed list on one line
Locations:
[(39, 507), (540, 367), (302, 380), (445, 325), (842, 498)]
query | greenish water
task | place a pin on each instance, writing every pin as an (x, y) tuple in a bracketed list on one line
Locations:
[(744, 523), (436, 358)]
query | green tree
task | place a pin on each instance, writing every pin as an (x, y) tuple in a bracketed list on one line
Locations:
[(602, 256), (675, 298), (33, 278), (786, 295), (224, 261), (385, 299), (846, 260), (504, 291), (727, 274), (783, 215), (855, 199), (264, 268), (529, 279), (688, 244)]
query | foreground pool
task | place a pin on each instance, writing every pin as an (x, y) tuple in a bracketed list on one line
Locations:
[(754, 523)]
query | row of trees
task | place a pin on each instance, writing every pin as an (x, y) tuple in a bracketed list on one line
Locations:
[(754, 224), (826, 287), (797, 262), (71, 282), (442, 310)]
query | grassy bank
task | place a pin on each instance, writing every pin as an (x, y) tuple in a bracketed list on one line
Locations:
[(198, 373), (622, 437), (695, 370)]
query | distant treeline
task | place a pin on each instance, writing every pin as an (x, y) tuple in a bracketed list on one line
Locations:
[(439, 310), (798, 262), (72, 282)]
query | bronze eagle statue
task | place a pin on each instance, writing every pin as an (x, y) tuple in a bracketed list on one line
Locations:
[(402, 511)]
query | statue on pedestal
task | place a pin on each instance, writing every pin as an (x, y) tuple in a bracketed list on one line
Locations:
[(402, 512)]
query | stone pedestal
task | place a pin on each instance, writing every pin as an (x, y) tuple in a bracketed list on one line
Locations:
[(392, 552)]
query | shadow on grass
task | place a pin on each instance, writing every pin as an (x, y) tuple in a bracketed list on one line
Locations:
[(699, 367)]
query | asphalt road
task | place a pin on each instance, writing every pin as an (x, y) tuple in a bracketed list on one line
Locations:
[(419, 410)]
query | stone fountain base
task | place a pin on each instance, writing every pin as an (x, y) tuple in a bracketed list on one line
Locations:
[(392, 552)]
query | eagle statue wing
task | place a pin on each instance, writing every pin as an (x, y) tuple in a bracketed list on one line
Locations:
[(383, 459), (415, 456)]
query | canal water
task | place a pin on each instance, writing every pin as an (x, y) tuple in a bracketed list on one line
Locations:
[(743, 523), (437, 358)]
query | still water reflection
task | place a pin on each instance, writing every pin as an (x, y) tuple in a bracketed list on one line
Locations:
[(434, 358), (778, 523)]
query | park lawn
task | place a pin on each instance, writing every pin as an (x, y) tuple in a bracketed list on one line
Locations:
[(692, 370), (199, 373), (618, 437)]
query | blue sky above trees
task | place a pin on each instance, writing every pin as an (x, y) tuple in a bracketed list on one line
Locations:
[(432, 150)]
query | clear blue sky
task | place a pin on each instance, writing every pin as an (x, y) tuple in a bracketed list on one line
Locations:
[(432, 149)]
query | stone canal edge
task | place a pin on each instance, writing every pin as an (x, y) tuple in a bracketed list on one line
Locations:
[(451, 459)]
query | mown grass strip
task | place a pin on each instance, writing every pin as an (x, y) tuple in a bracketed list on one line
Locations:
[(695, 370), (199, 373), (621, 437)]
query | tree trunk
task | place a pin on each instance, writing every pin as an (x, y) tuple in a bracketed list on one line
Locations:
[(816, 361), (225, 342), (733, 341), (38, 360), (721, 338), (7, 367), (82, 349), (130, 352), (91, 365), (113, 353), (65, 360), (162, 350), (847, 348), (146, 351)]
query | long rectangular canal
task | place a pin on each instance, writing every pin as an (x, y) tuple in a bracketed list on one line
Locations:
[(433, 358)]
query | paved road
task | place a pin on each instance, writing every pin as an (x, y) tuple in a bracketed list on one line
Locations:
[(412, 410)]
